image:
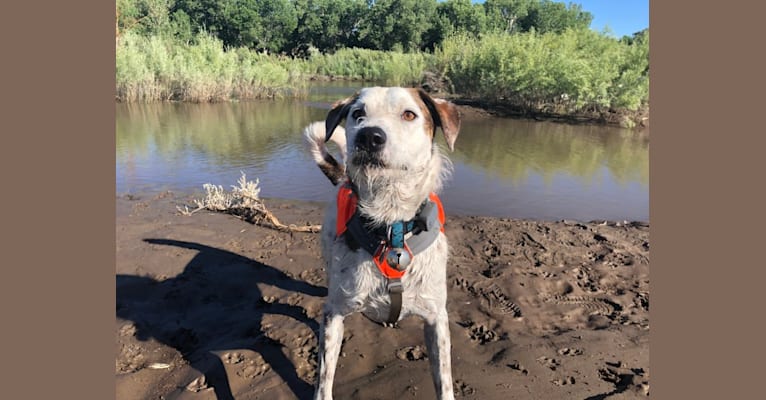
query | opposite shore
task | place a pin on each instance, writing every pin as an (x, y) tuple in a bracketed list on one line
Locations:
[(577, 76)]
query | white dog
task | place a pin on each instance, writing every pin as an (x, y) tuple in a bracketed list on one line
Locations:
[(382, 238)]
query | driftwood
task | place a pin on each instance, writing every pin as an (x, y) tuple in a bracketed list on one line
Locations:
[(244, 203)]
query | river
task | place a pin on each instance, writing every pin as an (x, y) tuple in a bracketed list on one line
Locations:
[(502, 167)]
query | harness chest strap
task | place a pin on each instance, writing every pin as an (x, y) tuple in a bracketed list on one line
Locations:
[(423, 228)]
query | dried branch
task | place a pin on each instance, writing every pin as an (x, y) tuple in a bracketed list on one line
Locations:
[(245, 203)]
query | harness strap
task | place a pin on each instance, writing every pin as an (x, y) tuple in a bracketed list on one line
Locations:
[(425, 228), (395, 290)]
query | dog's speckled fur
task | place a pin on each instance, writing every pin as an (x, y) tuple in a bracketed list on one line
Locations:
[(407, 168)]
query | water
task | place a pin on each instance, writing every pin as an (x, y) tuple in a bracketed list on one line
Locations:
[(502, 167)]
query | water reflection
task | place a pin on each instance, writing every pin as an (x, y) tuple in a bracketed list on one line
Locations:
[(514, 149), (503, 167)]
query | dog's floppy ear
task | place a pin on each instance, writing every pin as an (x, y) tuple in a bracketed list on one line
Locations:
[(337, 114), (445, 115)]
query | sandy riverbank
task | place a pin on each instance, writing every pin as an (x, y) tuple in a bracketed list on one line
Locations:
[(538, 310)]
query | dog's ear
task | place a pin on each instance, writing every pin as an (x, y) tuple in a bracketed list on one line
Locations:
[(445, 115), (337, 113)]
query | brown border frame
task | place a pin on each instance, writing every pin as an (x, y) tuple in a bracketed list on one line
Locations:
[(59, 199)]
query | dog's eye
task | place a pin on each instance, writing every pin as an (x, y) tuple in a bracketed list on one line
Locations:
[(409, 115), (357, 114)]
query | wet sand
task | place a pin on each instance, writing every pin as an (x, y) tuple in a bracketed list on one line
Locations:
[(210, 306)]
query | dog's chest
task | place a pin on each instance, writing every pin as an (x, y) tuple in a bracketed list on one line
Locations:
[(357, 285)]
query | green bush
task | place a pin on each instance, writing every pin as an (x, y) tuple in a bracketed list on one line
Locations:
[(155, 68), (386, 67), (578, 70)]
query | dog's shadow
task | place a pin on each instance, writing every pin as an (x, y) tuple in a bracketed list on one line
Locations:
[(214, 305)]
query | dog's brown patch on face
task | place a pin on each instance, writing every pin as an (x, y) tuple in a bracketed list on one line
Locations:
[(445, 115), (428, 120)]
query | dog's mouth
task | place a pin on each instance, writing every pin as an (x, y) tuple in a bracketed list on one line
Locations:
[(364, 158)]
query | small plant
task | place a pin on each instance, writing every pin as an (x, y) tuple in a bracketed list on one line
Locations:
[(243, 202)]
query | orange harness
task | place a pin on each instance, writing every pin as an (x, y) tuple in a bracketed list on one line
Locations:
[(391, 246), (347, 202)]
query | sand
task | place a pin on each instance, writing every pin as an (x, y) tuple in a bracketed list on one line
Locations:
[(210, 306)]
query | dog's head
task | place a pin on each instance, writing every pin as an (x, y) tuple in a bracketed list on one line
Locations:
[(393, 128)]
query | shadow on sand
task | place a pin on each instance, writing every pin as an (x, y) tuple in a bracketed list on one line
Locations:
[(214, 305)]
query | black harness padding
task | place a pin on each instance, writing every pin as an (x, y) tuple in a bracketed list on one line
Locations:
[(424, 229)]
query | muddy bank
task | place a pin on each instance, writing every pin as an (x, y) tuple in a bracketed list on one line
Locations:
[(209, 306), (627, 119)]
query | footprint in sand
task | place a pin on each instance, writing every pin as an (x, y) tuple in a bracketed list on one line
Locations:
[(233, 358), (197, 385), (551, 363), (411, 353), (479, 332), (518, 367), (624, 378), (463, 389), (566, 351), (253, 370), (569, 380), (491, 293), (256, 367)]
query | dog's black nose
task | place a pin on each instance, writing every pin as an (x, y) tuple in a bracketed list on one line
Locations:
[(370, 139)]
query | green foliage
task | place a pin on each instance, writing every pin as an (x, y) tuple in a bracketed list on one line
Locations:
[(463, 16), (157, 68), (396, 24), (258, 24), (549, 16), (538, 55), (503, 15), (577, 70), (326, 24), (386, 67)]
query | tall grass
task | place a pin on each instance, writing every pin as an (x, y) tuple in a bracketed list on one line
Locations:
[(572, 72), (388, 67), (151, 68), (577, 72)]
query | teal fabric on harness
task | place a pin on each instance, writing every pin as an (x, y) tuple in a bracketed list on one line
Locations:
[(397, 232)]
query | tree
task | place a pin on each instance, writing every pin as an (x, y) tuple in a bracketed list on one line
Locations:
[(549, 16), (279, 21), (396, 24), (463, 16), (258, 24), (327, 24), (503, 15), (148, 17)]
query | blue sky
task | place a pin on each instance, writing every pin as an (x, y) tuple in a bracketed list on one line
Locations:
[(623, 17)]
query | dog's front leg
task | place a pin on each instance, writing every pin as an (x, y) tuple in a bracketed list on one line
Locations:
[(439, 348), (330, 341)]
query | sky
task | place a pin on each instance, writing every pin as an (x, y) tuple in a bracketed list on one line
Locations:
[(624, 17)]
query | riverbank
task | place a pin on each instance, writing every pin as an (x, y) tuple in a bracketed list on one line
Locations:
[(556, 309), (638, 119), (577, 75)]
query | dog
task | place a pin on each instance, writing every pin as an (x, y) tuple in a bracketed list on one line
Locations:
[(382, 238)]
